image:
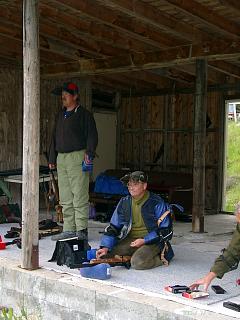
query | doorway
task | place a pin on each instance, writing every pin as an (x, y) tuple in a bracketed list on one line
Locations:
[(231, 176)]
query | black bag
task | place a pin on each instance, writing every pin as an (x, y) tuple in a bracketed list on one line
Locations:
[(10, 213), (71, 252)]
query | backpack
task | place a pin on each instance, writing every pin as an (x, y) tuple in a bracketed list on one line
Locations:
[(71, 252)]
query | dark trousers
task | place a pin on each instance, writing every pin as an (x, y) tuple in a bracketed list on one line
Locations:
[(145, 257)]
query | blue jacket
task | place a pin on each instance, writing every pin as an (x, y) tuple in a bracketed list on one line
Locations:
[(152, 209)]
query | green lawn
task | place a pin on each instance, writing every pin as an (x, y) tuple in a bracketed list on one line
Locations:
[(233, 166)]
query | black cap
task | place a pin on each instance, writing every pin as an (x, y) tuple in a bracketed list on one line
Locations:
[(136, 176), (69, 87)]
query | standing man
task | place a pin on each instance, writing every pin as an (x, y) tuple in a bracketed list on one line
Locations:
[(74, 141), (141, 226)]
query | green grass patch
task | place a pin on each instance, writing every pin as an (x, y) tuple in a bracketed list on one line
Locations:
[(9, 314), (233, 166)]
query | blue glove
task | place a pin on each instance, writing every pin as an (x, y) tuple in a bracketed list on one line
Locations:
[(87, 165)]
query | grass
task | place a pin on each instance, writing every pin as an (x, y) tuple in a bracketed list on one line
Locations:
[(233, 166), (9, 314)]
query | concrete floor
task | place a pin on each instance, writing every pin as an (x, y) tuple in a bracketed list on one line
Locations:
[(194, 255)]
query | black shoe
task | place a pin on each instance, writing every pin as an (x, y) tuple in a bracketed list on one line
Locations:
[(82, 234), (64, 235)]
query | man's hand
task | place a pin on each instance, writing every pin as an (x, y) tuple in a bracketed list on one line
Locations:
[(52, 166), (87, 159), (205, 281), (237, 212), (137, 243), (101, 252), (238, 216)]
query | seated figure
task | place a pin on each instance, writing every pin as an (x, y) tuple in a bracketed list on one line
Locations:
[(140, 227)]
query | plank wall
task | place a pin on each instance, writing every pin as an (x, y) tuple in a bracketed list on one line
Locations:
[(156, 133), (10, 118), (11, 113)]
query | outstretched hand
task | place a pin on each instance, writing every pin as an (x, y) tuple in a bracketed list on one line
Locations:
[(237, 212), (137, 243), (205, 281), (101, 252)]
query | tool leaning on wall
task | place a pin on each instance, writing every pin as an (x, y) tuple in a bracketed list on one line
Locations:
[(53, 194)]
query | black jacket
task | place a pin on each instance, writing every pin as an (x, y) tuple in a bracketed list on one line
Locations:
[(76, 132)]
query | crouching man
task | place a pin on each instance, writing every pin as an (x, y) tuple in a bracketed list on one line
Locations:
[(141, 226)]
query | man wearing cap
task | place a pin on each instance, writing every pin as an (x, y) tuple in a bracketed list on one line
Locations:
[(140, 226), (74, 142)]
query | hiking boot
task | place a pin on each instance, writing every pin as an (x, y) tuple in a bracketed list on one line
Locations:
[(82, 234), (63, 235)]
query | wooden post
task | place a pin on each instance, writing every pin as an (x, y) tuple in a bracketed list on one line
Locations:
[(142, 134), (31, 110), (85, 87), (118, 129), (200, 110)]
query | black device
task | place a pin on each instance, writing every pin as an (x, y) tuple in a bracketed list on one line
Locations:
[(218, 289), (232, 305), (179, 289)]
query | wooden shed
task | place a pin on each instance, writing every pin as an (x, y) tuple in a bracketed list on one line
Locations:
[(162, 69)]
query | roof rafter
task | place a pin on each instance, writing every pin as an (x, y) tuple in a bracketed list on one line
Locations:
[(136, 29), (49, 30), (225, 67), (91, 30), (99, 32), (213, 76), (214, 50), (154, 17), (234, 4), (207, 15)]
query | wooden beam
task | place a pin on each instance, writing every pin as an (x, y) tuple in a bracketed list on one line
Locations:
[(11, 43), (65, 41), (31, 133), (50, 30), (93, 30), (156, 80), (213, 76), (178, 76), (223, 88), (204, 14), (133, 81), (111, 85), (233, 4), (104, 15), (154, 17), (226, 67), (214, 50), (6, 60), (199, 138)]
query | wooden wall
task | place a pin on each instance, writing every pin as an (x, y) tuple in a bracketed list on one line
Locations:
[(156, 133), (10, 118), (11, 113)]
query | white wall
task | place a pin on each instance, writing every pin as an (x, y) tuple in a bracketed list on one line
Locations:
[(106, 150)]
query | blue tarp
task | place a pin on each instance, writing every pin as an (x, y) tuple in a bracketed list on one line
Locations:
[(109, 185)]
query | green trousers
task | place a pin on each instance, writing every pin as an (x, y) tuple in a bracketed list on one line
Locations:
[(73, 190), (145, 257)]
